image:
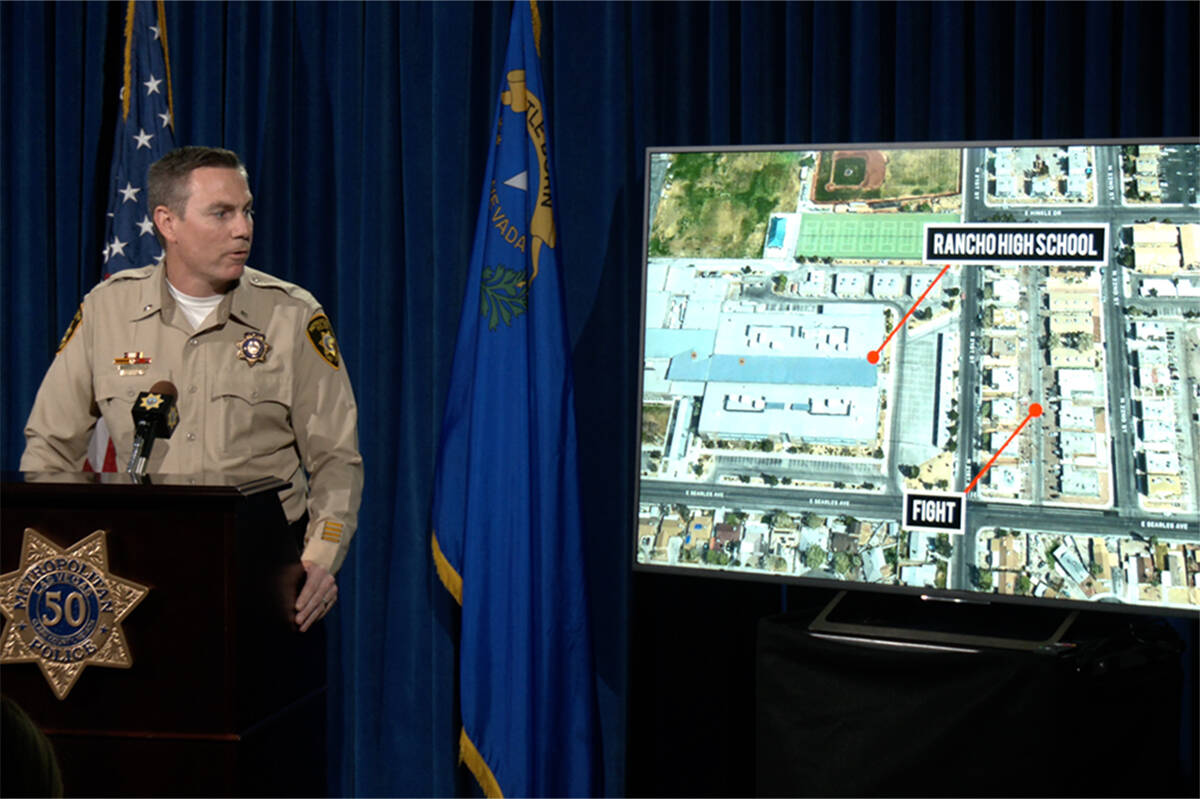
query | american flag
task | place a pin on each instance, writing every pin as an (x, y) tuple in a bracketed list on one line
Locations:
[(145, 132)]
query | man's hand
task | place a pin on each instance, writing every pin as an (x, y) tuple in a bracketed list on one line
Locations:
[(316, 597)]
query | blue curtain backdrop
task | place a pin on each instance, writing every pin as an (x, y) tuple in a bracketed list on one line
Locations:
[(365, 129)]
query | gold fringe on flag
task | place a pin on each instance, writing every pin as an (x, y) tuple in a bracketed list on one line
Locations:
[(449, 577), (468, 754), (537, 26), (128, 71), (162, 34)]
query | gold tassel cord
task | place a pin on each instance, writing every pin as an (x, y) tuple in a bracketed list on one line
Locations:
[(449, 577)]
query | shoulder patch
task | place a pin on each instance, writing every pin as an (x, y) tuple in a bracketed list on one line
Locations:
[(71, 328), (320, 333)]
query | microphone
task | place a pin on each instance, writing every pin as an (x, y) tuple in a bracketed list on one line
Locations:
[(154, 416)]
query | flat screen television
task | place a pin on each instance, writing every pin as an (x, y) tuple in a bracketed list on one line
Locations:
[(961, 371)]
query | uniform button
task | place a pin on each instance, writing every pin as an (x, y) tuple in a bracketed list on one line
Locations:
[(191, 436), (191, 389), (131, 392), (254, 395), (193, 341), (147, 307)]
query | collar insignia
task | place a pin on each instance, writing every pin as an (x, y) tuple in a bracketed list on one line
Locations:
[(64, 609), (253, 348), (132, 364)]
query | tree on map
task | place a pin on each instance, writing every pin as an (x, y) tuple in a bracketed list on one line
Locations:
[(1023, 584), (716, 557), (810, 519), (814, 558)]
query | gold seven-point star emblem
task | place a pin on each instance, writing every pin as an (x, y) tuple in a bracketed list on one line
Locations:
[(64, 609)]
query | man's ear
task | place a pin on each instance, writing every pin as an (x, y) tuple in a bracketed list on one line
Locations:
[(164, 220)]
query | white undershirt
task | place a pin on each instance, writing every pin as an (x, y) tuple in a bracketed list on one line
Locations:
[(196, 309)]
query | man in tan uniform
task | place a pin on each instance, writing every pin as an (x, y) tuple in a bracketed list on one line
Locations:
[(262, 386)]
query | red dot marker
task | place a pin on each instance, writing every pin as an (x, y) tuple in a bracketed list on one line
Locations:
[(873, 356), (1035, 409)]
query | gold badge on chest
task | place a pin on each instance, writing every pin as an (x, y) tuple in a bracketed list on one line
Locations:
[(253, 348)]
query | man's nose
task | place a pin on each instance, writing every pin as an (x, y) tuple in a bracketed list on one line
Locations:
[(243, 226)]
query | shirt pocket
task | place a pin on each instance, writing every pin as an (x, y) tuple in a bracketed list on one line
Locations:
[(115, 397), (251, 412)]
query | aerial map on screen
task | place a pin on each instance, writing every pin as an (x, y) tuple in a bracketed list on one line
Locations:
[(971, 369)]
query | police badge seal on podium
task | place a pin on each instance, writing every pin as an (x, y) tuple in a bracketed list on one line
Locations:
[(64, 609)]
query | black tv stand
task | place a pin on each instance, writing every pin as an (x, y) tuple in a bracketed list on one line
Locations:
[(880, 694), (936, 623)]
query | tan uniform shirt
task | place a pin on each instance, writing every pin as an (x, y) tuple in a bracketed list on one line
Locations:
[(288, 412)]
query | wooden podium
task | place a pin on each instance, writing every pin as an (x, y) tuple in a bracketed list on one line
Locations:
[(224, 696)]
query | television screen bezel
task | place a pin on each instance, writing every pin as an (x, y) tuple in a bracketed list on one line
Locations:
[(803, 581)]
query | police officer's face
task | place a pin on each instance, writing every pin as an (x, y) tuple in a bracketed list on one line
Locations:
[(208, 246)]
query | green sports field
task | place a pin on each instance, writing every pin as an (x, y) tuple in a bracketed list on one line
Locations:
[(867, 236)]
